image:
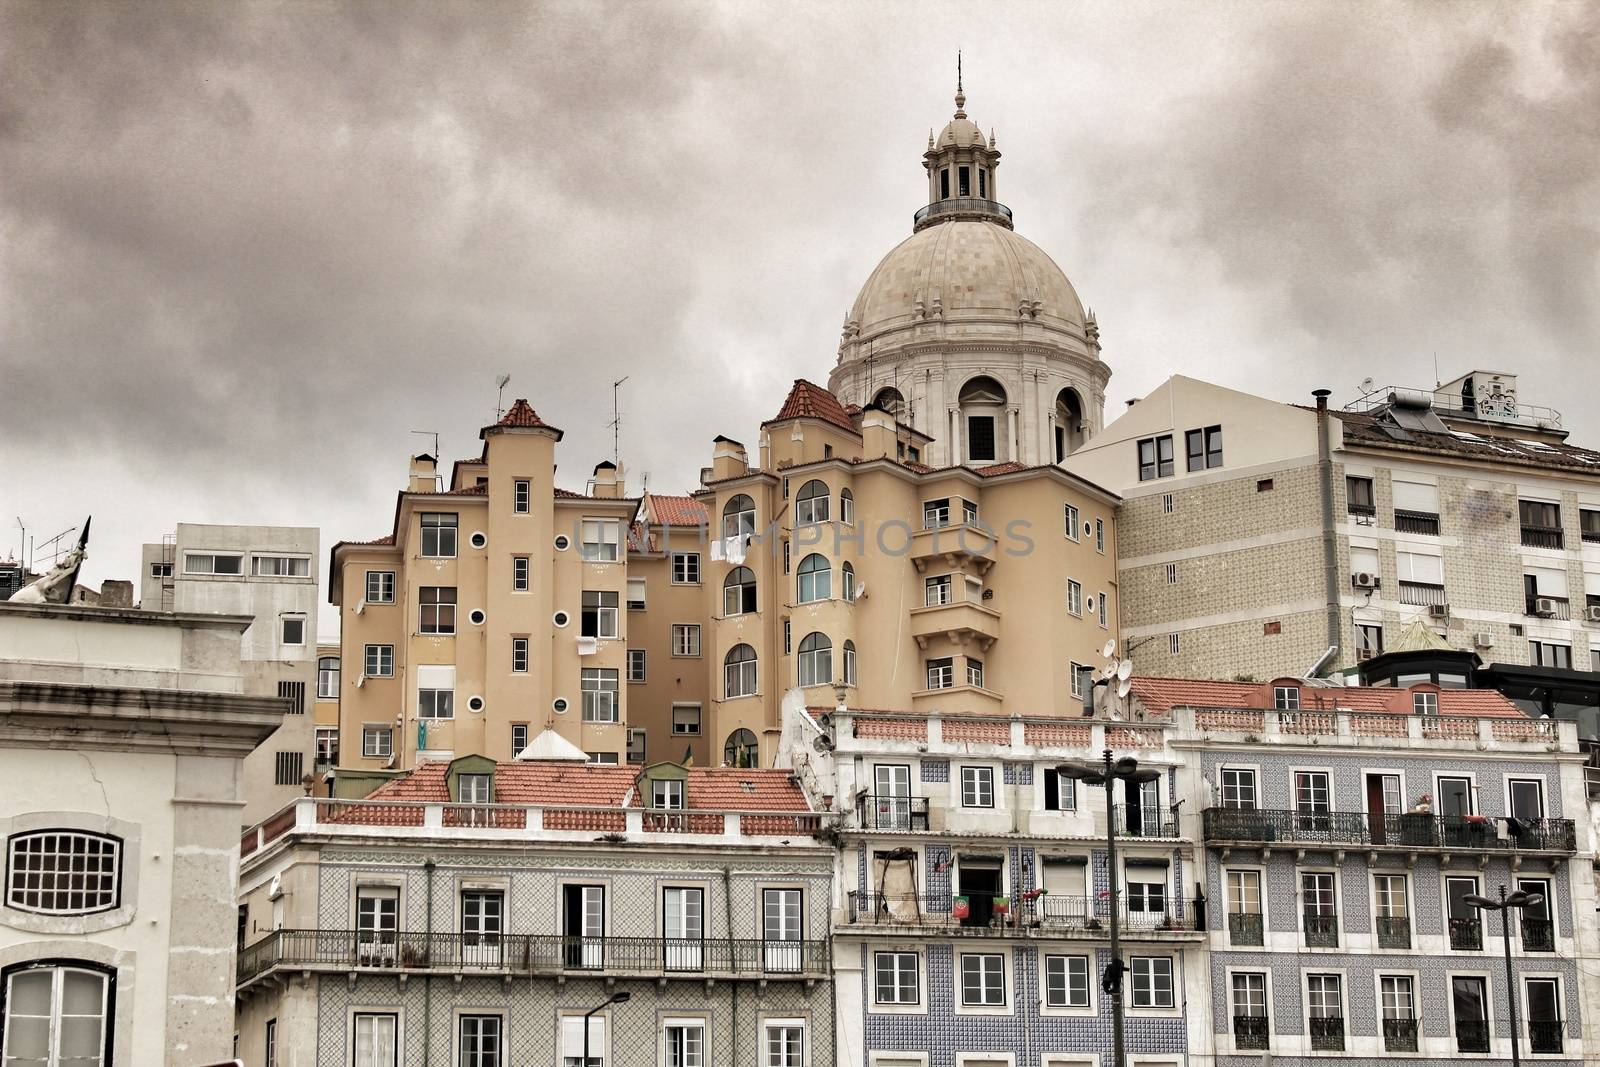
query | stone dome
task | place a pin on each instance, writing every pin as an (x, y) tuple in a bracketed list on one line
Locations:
[(966, 271)]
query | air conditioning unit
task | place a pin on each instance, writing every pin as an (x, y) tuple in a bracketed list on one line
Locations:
[(1592, 613), (1364, 580), (1484, 639), (1544, 607), (1438, 611)]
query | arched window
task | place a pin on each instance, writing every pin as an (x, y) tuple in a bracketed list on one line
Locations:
[(847, 582), (739, 592), (847, 507), (64, 872), (1069, 427), (739, 672), (739, 516), (983, 403), (740, 749), (811, 505), (890, 400), (816, 660), (56, 1012), (815, 578), (849, 663), (328, 678)]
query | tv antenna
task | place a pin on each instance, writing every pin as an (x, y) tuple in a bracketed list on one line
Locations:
[(616, 421), (500, 383), (433, 434)]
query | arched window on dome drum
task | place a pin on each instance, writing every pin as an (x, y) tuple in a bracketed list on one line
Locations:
[(739, 516), (739, 672), (1069, 428), (849, 663), (811, 503), (983, 404), (890, 400), (815, 578), (847, 582), (739, 592), (847, 507), (816, 660), (740, 749)]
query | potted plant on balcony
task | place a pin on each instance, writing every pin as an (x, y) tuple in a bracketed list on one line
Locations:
[(413, 956)]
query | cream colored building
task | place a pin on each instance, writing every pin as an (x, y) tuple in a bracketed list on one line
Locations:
[(270, 574), (969, 332), (122, 733), (1458, 506)]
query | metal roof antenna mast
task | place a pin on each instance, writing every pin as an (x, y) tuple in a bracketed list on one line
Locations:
[(616, 421), (500, 384)]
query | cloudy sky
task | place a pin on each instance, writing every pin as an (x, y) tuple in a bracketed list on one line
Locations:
[(245, 248)]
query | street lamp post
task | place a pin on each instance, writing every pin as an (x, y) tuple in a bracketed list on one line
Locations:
[(620, 997), (1518, 900), (1107, 773)]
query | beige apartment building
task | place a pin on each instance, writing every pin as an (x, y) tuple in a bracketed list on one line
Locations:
[(1459, 507)]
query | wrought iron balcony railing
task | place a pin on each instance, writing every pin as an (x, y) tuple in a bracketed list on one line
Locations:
[(1250, 1032), (1245, 928), (1028, 914), (1146, 822), (1538, 935), (1394, 931), (1400, 1035), (530, 954), (1327, 1033), (1408, 830), (1544, 1035), (1466, 935), (1322, 931), (881, 811), (1472, 1035)]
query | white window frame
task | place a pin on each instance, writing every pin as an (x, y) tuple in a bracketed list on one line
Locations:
[(440, 542), (1152, 988), (600, 540), (686, 640), (368, 663), (191, 561), (937, 590), (977, 787), (768, 1026), (897, 988), (371, 735), (1070, 519), (989, 965), (1048, 981), (275, 564), (521, 496), (1074, 598), (636, 666), (686, 728), (685, 568), (519, 655), (601, 694), (385, 586), (63, 851), (521, 574)]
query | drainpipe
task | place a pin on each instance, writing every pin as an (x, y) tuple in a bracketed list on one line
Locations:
[(733, 961), (427, 975), (1330, 536)]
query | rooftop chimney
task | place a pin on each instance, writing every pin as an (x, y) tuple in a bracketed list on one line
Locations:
[(608, 480), (728, 459), (424, 474)]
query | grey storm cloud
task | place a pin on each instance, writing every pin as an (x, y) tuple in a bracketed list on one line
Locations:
[(246, 248)]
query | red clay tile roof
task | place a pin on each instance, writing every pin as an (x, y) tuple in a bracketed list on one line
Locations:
[(808, 400), (567, 494), (521, 415), (1161, 695), (678, 510), (558, 782), (386, 539)]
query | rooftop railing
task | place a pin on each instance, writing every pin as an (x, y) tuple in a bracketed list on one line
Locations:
[(1345, 724), (958, 206), (1487, 407), (1407, 830)]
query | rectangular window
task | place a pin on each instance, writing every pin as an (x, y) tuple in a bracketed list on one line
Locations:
[(1239, 789), (1060, 794), (1174, 644), (686, 720), (474, 788), (686, 568), (602, 539), (1398, 1006), (1369, 640), (941, 673), (521, 496), (377, 742), (1074, 598), (935, 513), (1066, 981), (1244, 908), (161, 570), (599, 686), (519, 655), (1204, 447), (1171, 571), (936, 590), (637, 742), (294, 629), (983, 979), (1152, 982), (599, 613), (1527, 799), (636, 664), (637, 589), (436, 606), (380, 587), (603, 759), (1100, 536), (1359, 498), (295, 693), (436, 703), (438, 534), (281, 566), (379, 661), (327, 746), (1155, 458), (667, 795), (519, 738), (1250, 1010), (519, 574), (897, 978), (374, 1041), (1103, 605), (1325, 1005), (272, 1040), (1069, 519), (977, 787), (1286, 697), (975, 672), (288, 768), (980, 438), (212, 563), (685, 639), (1076, 679), (1549, 654), (683, 1042), (784, 1044), (480, 1041), (1147, 890)]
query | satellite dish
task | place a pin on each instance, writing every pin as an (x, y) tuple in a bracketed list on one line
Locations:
[(1123, 687), (1366, 385), (1110, 648), (1124, 672)]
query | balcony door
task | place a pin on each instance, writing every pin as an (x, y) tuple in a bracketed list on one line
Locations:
[(683, 928), (583, 916), (1469, 1001), (1538, 932), (1544, 1015), (1454, 805), (1466, 927), (377, 925), (781, 934), (1383, 799), (482, 923), (1313, 800), (979, 881), (891, 789)]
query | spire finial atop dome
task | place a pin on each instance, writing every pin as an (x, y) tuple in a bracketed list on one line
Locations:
[(961, 96)]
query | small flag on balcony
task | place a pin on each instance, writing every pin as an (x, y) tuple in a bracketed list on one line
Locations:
[(1002, 905), (960, 908)]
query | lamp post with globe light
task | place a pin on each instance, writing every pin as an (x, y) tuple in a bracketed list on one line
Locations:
[(1105, 774), (1519, 899)]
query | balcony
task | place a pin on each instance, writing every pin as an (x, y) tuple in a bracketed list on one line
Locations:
[(1422, 594), (1250, 1032), (1400, 1035), (1402, 831), (1466, 935), (1245, 928), (959, 621), (1322, 931), (1544, 1035), (1327, 1034), (1394, 931), (958, 207), (1144, 822), (880, 812), (1416, 522), (1472, 1035), (1547, 607), (530, 955), (953, 546), (1033, 914), (1543, 536), (1538, 935)]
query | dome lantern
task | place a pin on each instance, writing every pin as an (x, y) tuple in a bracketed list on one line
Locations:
[(961, 166)]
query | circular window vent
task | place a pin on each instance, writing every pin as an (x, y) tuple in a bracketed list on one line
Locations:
[(563, 542), (559, 705), (478, 539), (561, 618), (1088, 603), (1088, 529), (474, 703), (477, 616)]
